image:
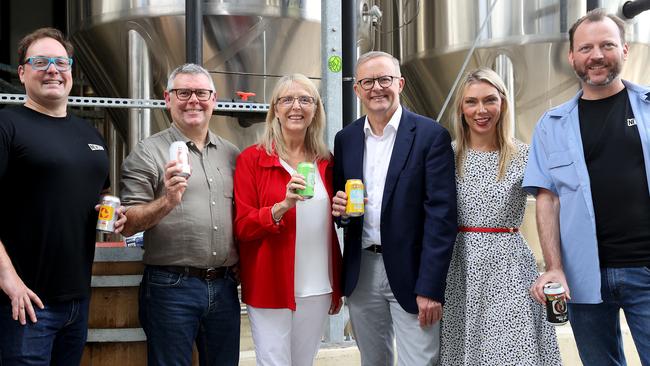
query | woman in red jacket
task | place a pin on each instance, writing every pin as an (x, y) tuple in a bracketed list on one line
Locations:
[(290, 257)]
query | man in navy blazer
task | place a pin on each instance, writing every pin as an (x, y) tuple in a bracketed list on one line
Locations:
[(396, 256)]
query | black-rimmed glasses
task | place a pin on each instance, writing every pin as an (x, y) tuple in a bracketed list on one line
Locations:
[(304, 101), (41, 63), (384, 81), (185, 94)]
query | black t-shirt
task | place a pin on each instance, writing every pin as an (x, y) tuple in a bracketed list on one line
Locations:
[(52, 171), (619, 187)]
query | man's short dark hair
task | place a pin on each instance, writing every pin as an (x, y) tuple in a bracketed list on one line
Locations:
[(41, 33), (597, 15)]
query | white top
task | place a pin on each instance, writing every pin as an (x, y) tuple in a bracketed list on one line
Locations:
[(313, 238), (376, 158)]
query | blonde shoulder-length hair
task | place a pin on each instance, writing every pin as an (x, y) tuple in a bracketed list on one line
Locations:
[(272, 140), (505, 143)]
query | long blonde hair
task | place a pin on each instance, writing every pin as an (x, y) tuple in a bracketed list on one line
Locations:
[(503, 128), (272, 139)]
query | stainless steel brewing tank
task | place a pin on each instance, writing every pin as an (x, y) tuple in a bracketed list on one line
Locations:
[(246, 45), (533, 34), (432, 38)]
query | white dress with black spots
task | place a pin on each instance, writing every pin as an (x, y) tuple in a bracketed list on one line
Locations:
[(489, 317)]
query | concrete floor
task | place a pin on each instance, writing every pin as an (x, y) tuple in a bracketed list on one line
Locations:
[(349, 355)]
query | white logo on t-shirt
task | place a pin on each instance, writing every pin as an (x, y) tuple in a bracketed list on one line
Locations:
[(94, 147), (631, 122)]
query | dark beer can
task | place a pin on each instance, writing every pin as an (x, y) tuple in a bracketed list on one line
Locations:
[(556, 308)]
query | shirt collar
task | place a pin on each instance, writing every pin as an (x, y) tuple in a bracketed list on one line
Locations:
[(393, 123), (178, 135), (565, 108)]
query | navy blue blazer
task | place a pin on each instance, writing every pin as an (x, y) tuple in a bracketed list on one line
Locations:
[(418, 213)]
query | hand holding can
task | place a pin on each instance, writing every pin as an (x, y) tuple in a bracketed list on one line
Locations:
[(307, 170), (108, 212), (339, 203), (354, 190), (556, 307)]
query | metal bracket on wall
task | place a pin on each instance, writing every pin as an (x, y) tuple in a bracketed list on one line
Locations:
[(220, 106)]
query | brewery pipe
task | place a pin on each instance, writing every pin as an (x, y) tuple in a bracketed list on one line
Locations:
[(593, 4), (194, 31), (349, 55), (633, 8)]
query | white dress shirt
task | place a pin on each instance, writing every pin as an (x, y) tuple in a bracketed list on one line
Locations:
[(376, 158)]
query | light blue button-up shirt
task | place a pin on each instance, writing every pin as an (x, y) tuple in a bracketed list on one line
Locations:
[(556, 162)]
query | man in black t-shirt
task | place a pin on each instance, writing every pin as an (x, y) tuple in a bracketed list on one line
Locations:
[(589, 167), (53, 169)]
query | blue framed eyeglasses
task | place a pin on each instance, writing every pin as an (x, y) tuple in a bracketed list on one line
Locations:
[(43, 63)]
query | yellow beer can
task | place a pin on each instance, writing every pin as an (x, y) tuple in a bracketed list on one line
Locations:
[(354, 191), (108, 213)]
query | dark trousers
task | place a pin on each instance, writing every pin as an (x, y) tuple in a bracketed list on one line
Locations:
[(596, 327), (177, 310), (57, 338)]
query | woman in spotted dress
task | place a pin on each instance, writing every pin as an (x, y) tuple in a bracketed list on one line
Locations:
[(489, 317)]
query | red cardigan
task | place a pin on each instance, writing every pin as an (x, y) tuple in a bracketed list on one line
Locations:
[(266, 249)]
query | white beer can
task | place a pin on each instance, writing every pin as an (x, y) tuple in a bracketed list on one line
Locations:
[(178, 151)]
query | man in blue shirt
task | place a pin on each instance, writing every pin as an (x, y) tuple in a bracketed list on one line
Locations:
[(589, 167)]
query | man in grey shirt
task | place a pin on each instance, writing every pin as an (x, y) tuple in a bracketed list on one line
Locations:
[(188, 293)]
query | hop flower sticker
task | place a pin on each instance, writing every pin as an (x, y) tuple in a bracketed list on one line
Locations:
[(334, 63)]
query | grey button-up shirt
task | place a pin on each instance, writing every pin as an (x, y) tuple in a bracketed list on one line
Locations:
[(198, 232)]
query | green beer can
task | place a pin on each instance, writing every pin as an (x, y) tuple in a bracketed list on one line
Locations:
[(308, 170)]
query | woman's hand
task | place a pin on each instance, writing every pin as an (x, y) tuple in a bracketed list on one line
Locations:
[(336, 305), (296, 182)]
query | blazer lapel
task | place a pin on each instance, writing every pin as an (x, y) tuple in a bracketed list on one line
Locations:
[(356, 151), (401, 151)]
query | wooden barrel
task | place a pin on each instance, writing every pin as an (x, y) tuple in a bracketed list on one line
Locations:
[(114, 333)]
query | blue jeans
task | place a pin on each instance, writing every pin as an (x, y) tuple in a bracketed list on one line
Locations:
[(57, 338), (177, 310), (596, 327)]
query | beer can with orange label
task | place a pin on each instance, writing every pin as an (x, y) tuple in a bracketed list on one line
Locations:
[(108, 213), (355, 191)]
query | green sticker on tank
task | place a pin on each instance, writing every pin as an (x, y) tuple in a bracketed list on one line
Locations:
[(334, 63)]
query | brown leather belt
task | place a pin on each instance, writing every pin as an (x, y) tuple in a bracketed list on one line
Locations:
[(374, 248), (203, 273)]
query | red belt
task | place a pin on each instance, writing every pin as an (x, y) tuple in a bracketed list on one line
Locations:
[(469, 229)]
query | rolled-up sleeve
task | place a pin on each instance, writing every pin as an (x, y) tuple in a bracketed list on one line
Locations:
[(537, 173), (140, 177)]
